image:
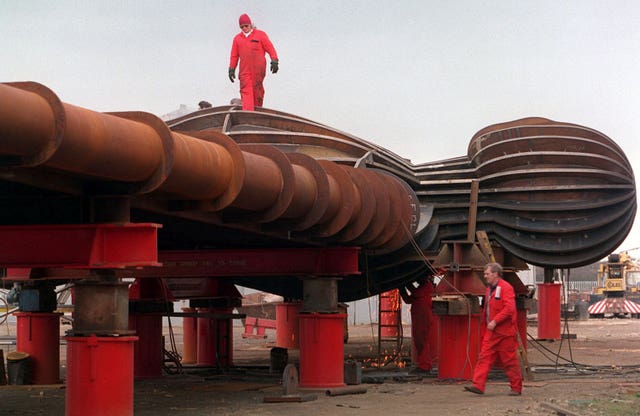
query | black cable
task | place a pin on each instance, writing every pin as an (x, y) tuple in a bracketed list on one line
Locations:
[(173, 354), (555, 354)]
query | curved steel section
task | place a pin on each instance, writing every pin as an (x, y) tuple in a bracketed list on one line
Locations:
[(238, 169), (342, 200), (572, 182), (274, 186), (107, 147), (301, 218), (248, 184), (163, 168), (551, 193), (365, 207), (32, 123)]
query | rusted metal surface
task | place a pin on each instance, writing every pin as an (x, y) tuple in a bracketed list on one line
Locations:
[(119, 150), (94, 297), (550, 193), (553, 193)]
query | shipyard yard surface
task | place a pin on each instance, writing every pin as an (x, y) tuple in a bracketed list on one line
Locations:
[(603, 378)]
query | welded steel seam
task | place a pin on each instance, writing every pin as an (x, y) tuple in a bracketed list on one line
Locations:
[(305, 191), (367, 204), (201, 170), (107, 147), (164, 167), (382, 211), (262, 183), (238, 169), (270, 190), (321, 198), (394, 221), (341, 201)]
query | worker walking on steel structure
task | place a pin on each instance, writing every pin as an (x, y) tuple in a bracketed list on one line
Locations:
[(249, 47), (500, 333), (421, 318)]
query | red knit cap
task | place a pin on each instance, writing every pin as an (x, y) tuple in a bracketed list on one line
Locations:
[(244, 20)]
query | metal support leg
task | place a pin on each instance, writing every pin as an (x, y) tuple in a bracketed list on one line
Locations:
[(321, 335), (549, 307), (99, 352)]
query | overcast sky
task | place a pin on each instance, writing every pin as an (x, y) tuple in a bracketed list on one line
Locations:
[(417, 77)]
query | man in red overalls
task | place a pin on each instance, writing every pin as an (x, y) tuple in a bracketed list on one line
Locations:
[(421, 318), (499, 340), (249, 46)]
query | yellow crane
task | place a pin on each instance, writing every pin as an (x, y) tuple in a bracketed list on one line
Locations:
[(618, 281)]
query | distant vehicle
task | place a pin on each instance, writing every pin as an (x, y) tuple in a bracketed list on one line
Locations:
[(618, 288)]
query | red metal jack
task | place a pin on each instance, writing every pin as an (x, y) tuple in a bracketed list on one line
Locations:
[(549, 309), (38, 334), (457, 304), (288, 325)]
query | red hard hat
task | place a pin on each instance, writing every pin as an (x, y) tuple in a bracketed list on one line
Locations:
[(244, 20)]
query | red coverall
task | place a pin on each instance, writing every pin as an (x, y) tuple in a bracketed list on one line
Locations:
[(421, 318), (250, 50), (501, 342)]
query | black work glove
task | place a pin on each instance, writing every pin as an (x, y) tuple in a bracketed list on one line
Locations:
[(232, 74), (274, 66)]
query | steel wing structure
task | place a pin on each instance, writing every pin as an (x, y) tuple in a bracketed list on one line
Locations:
[(553, 194), (280, 203)]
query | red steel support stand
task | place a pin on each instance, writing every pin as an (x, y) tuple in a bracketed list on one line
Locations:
[(99, 376), (288, 325), (459, 331), (207, 340), (549, 310), (189, 337), (522, 326), (321, 350), (224, 327), (148, 300), (99, 367), (38, 334), (215, 339), (434, 339), (148, 350), (459, 346)]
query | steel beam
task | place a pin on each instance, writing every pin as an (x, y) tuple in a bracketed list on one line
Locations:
[(96, 246)]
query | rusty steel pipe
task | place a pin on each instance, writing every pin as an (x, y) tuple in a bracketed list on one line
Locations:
[(341, 201), (27, 121), (108, 147), (334, 199), (200, 169), (319, 187), (365, 205), (263, 183), (549, 193), (258, 182), (305, 193)]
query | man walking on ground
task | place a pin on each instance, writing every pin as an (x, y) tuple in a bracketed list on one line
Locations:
[(500, 339)]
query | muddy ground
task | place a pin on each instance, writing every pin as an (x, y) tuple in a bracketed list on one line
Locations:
[(597, 373)]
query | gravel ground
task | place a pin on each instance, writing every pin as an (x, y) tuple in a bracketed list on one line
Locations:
[(597, 373)]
